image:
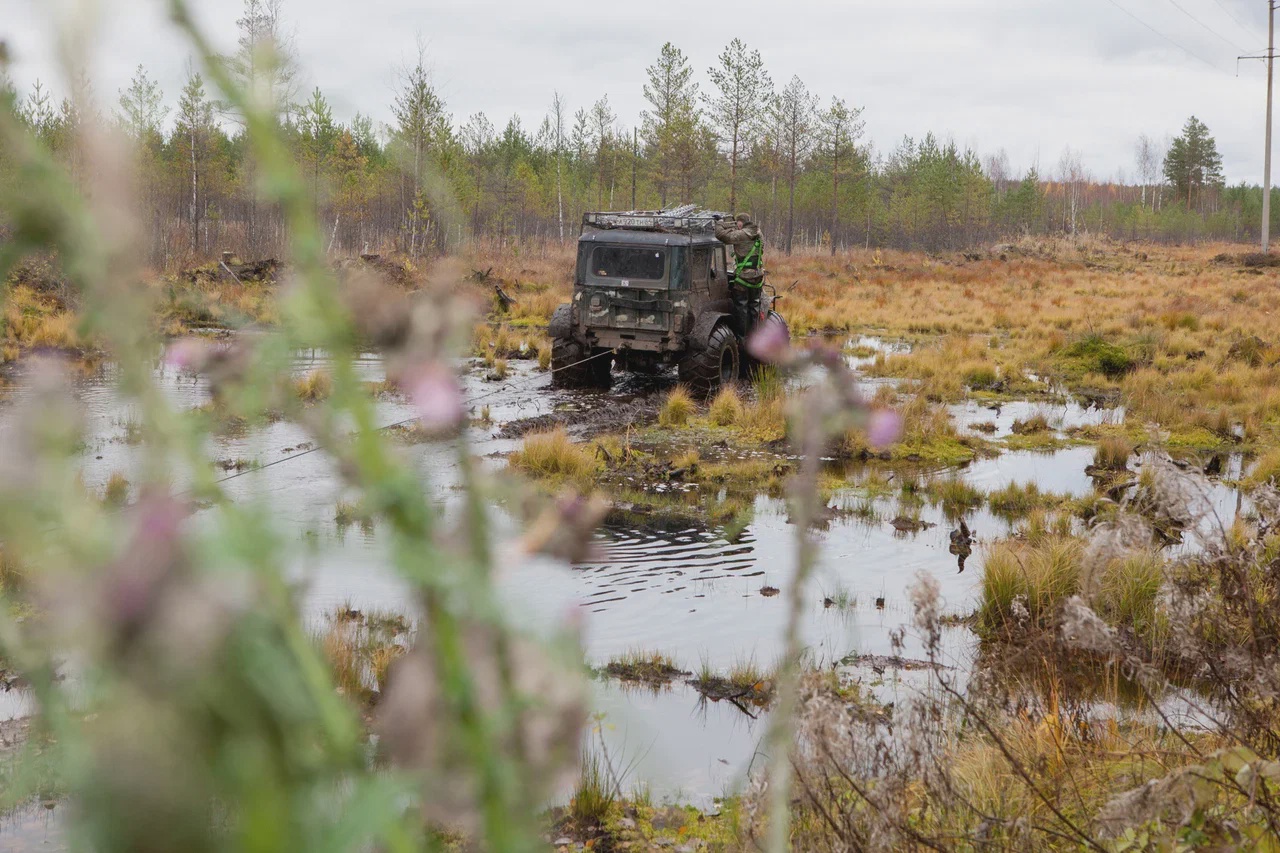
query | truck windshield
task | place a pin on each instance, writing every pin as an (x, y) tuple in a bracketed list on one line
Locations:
[(629, 263)]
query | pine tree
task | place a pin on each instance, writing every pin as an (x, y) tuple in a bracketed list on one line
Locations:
[(264, 63), (840, 129), (1193, 164), (602, 119), (38, 115), (736, 111), (317, 133), (142, 110), (420, 122), (792, 115), (672, 124)]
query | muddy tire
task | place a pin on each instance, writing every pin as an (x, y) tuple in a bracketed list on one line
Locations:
[(708, 370), (751, 367), (569, 368)]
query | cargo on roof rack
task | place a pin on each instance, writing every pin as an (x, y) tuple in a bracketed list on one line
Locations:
[(689, 219)]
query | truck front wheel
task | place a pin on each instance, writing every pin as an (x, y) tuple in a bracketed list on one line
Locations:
[(711, 368)]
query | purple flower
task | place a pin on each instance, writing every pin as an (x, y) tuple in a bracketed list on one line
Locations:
[(885, 428), (769, 343), (435, 394), (187, 354)]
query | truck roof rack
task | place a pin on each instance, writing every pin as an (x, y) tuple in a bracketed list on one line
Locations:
[(689, 219)]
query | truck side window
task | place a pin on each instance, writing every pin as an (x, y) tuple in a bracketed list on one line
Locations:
[(701, 266)]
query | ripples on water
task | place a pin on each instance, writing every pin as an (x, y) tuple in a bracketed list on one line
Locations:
[(636, 560)]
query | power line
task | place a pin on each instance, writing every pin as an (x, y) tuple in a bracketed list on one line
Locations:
[(1243, 26), (1206, 27), (1185, 50)]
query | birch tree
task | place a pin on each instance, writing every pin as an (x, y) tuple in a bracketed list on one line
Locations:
[(193, 137), (1072, 176), (558, 129), (1147, 155)]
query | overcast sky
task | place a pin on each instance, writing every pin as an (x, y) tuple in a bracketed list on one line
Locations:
[(1029, 76)]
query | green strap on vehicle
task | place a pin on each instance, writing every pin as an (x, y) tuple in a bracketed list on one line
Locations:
[(750, 262)]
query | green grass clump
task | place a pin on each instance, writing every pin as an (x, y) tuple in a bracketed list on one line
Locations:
[(677, 408), (726, 408), (954, 495), (1015, 501), (1129, 590), (594, 796), (1037, 577), (650, 667), (1094, 354), (768, 383), (553, 455), (982, 378)]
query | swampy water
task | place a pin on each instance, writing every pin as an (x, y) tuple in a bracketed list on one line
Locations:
[(687, 591)]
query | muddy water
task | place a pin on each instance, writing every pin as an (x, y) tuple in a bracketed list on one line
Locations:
[(687, 591)]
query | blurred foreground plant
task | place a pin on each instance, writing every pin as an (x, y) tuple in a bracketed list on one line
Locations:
[(181, 703)]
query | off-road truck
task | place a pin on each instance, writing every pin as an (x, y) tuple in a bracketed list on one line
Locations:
[(651, 289)]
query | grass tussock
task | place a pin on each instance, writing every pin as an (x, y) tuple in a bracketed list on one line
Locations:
[(553, 455), (595, 794), (316, 386), (1266, 470), (646, 667), (1018, 501), (347, 513), (1113, 453), (677, 408), (116, 492), (726, 409), (954, 495), (360, 648)]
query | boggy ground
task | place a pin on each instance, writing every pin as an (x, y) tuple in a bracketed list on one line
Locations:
[(1023, 757)]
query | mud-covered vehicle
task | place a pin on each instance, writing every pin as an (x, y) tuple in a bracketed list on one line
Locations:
[(651, 289)]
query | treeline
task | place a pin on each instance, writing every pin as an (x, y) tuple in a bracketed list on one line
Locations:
[(428, 182)]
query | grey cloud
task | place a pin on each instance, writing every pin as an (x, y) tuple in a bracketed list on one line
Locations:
[(1029, 76)]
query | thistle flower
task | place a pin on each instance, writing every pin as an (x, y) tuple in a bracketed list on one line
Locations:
[(770, 343), (436, 397)]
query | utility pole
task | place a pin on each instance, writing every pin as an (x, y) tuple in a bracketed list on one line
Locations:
[(1266, 167), (1266, 161)]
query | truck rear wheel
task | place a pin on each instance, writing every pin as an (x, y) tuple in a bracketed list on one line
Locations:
[(750, 366), (571, 369), (708, 370)]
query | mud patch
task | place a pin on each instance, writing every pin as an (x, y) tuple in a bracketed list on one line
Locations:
[(609, 416)]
